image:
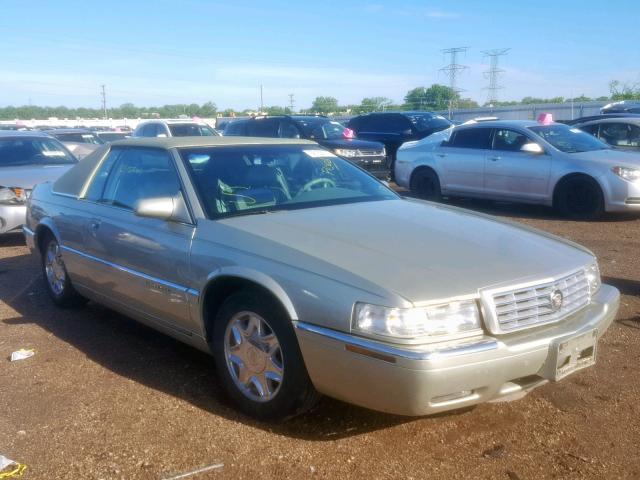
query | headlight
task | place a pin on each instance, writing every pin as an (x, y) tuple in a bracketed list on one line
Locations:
[(346, 152), (384, 152), (593, 277), (629, 174), (408, 323), (11, 195)]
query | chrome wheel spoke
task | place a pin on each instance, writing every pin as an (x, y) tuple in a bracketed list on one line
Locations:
[(254, 356)]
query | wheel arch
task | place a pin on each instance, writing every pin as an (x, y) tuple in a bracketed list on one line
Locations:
[(225, 282), (419, 169), (45, 226), (568, 176)]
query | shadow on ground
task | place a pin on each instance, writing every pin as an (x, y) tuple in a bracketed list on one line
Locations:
[(139, 353)]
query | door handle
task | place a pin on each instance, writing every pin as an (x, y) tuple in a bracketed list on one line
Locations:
[(441, 154), (94, 225), (495, 159)]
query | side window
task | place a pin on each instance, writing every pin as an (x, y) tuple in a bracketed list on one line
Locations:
[(472, 138), (95, 190), (235, 128), (592, 129), (263, 127), (288, 130), (509, 140), (140, 173), (149, 130), (620, 134)]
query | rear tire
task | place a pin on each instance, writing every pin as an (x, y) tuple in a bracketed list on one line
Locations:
[(258, 358), (56, 278), (579, 197), (426, 184)]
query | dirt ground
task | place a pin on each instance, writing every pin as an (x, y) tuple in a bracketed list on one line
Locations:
[(107, 398)]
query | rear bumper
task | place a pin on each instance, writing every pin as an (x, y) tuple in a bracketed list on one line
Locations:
[(12, 217), (432, 379)]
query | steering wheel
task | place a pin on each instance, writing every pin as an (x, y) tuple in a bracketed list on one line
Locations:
[(327, 182)]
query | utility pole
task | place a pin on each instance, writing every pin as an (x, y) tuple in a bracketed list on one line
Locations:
[(261, 100), (291, 103), (494, 73), (453, 71), (104, 101)]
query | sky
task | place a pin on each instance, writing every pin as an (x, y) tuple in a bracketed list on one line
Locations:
[(192, 51)]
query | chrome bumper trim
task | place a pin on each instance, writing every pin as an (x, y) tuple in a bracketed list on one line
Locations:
[(389, 350)]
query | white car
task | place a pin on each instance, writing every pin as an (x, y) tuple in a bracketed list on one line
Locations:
[(525, 161), (174, 128)]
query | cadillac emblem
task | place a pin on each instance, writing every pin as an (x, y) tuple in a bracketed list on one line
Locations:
[(555, 299)]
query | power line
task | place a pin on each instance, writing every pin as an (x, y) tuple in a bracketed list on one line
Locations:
[(453, 71), (494, 73), (104, 101)]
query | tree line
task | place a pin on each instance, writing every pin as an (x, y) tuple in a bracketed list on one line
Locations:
[(435, 97)]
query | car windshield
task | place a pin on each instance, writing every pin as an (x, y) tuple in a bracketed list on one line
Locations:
[(33, 151), (242, 180), (191, 130), (568, 139), (427, 121), (329, 131)]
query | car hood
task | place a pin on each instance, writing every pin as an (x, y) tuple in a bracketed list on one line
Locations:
[(351, 143), (610, 156), (418, 250), (27, 176)]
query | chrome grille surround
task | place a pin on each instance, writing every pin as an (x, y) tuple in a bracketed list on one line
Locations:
[(512, 309)]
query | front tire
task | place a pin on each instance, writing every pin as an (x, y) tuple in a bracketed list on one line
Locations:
[(258, 358), (580, 197), (57, 281), (426, 184)]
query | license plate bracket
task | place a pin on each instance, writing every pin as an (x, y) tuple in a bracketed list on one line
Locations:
[(569, 355)]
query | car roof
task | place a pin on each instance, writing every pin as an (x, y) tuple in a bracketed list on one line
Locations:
[(206, 141), (53, 131), (634, 120), (173, 121), (23, 133), (500, 123)]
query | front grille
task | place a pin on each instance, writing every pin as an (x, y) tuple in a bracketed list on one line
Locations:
[(533, 306), (369, 153)]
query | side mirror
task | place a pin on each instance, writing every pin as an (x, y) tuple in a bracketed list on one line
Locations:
[(531, 148), (164, 208)]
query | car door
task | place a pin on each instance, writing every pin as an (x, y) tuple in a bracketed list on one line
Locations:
[(462, 160), (140, 263), (512, 173)]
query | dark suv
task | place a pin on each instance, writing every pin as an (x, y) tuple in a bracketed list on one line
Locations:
[(370, 156), (395, 128)]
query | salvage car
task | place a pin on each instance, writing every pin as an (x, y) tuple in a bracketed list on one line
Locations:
[(272, 255), (523, 161), (26, 158), (370, 156)]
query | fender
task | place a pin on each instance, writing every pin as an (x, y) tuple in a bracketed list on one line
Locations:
[(48, 223), (254, 276)]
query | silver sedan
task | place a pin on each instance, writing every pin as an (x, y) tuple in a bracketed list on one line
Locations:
[(272, 255), (524, 161), (26, 158)]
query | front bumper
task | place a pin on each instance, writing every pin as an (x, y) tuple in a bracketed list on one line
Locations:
[(431, 379), (12, 217), (621, 195)]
